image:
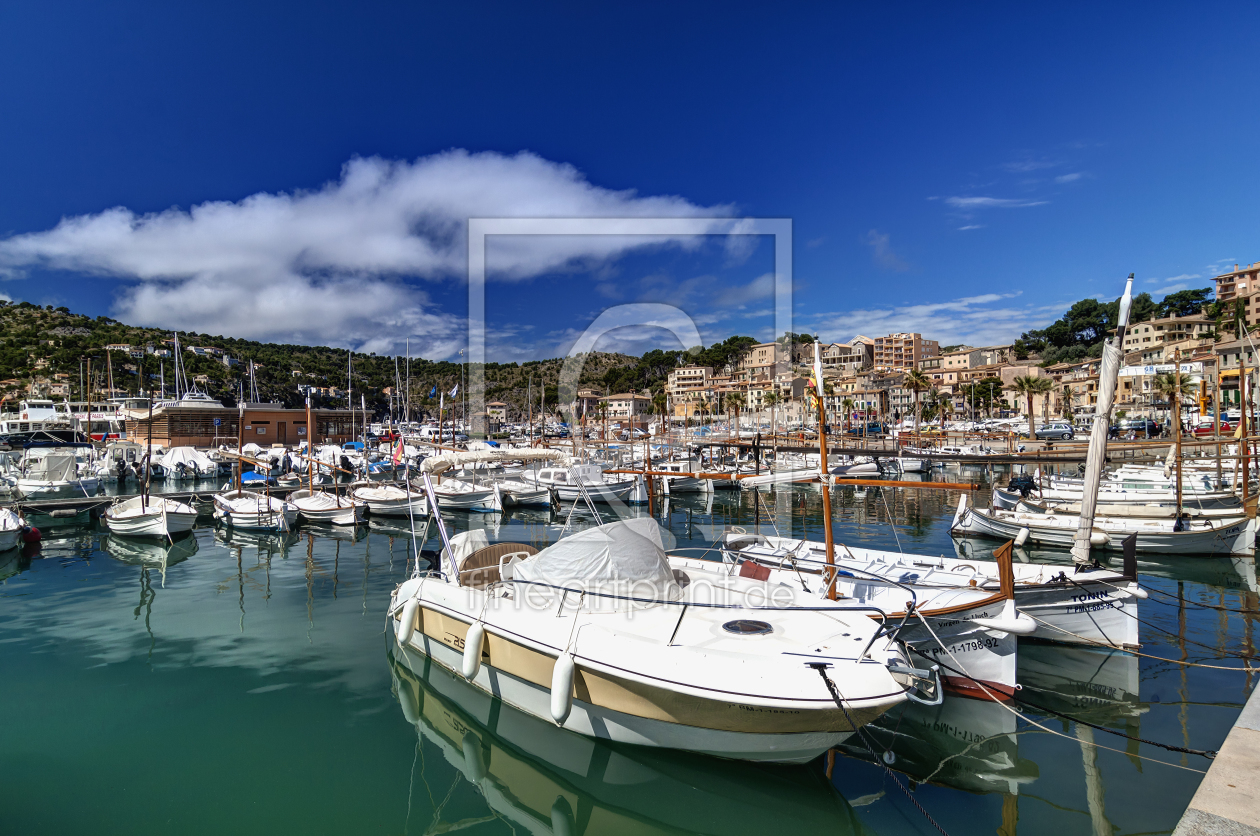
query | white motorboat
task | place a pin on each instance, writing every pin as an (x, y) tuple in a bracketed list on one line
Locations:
[(859, 466), (184, 463), (254, 510), (11, 528), (151, 516), (50, 470), (1091, 606), (572, 484), (679, 484), (453, 494), (514, 492), (909, 465), (391, 501), (328, 507), (1200, 536), (601, 634)]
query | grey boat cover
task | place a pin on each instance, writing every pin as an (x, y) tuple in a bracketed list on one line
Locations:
[(622, 558)]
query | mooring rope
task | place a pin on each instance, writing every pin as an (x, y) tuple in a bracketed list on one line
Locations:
[(1047, 729), (860, 732)]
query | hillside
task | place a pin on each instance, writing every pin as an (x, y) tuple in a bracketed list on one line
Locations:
[(45, 346)]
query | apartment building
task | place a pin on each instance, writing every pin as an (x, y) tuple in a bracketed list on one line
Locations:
[(856, 355), (1169, 329), (1242, 283), (689, 383), (902, 352), (627, 406)]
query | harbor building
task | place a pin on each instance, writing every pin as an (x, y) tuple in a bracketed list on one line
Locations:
[(210, 426), (902, 352)]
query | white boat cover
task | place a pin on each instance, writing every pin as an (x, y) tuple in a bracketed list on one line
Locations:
[(625, 557), (189, 457), (446, 461), (251, 449), (467, 542)]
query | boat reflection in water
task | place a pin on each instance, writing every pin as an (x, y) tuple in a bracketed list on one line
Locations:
[(550, 781), (266, 542), (150, 554), (973, 745)]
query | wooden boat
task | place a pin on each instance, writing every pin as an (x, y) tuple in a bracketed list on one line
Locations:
[(150, 516)]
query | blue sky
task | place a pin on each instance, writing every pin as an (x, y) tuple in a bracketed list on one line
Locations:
[(303, 171)]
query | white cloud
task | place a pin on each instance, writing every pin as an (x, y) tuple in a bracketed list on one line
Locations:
[(974, 320), (991, 202), (329, 266), (1069, 178), (1027, 165), (970, 226), (882, 252)]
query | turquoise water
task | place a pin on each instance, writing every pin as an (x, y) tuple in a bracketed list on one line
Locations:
[(245, 683)]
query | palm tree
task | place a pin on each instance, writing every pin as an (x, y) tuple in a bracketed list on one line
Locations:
[(847, 405), (735, 400), (1067, 401), (1175, 386), (771, 399), (1029, 386), (916, 381)]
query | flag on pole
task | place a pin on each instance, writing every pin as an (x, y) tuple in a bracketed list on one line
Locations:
[(433, 392), (455, 390), (398, 453), (441, 402)]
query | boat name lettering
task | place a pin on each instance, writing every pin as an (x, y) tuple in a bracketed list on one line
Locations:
[(1092, 596)]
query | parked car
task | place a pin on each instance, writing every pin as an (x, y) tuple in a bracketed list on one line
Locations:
[(1140, 427), (1056, 430), (1205, 428), (633, 434)]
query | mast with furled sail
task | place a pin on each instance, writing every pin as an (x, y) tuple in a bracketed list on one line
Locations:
[(1108, 376)]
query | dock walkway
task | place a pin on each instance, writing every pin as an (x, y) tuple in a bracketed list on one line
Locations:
[(1227, 803)]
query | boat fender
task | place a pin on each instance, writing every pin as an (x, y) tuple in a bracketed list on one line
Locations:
[(472, 650), (30, 534), (407, 624), (1136, 591), (1022, 537), (1099, 538), (474, 764), (1010, 621), (562, 689)]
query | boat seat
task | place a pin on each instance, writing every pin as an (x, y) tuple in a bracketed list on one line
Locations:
[(754, 571), (481, 568)]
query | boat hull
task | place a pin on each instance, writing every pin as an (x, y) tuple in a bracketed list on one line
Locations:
[(1235, 539), (608, 723), (158, 524)]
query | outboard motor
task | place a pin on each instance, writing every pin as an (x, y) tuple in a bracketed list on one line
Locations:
[(1022, 483)]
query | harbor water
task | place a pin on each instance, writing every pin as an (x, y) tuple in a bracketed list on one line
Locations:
[(246, 683)]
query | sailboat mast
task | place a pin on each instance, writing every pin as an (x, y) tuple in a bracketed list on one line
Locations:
[(1108, 376), (310, 434), (824, 475)]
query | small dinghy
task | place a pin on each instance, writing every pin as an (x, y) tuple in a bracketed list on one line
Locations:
[(150, 516), (326, 507)]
